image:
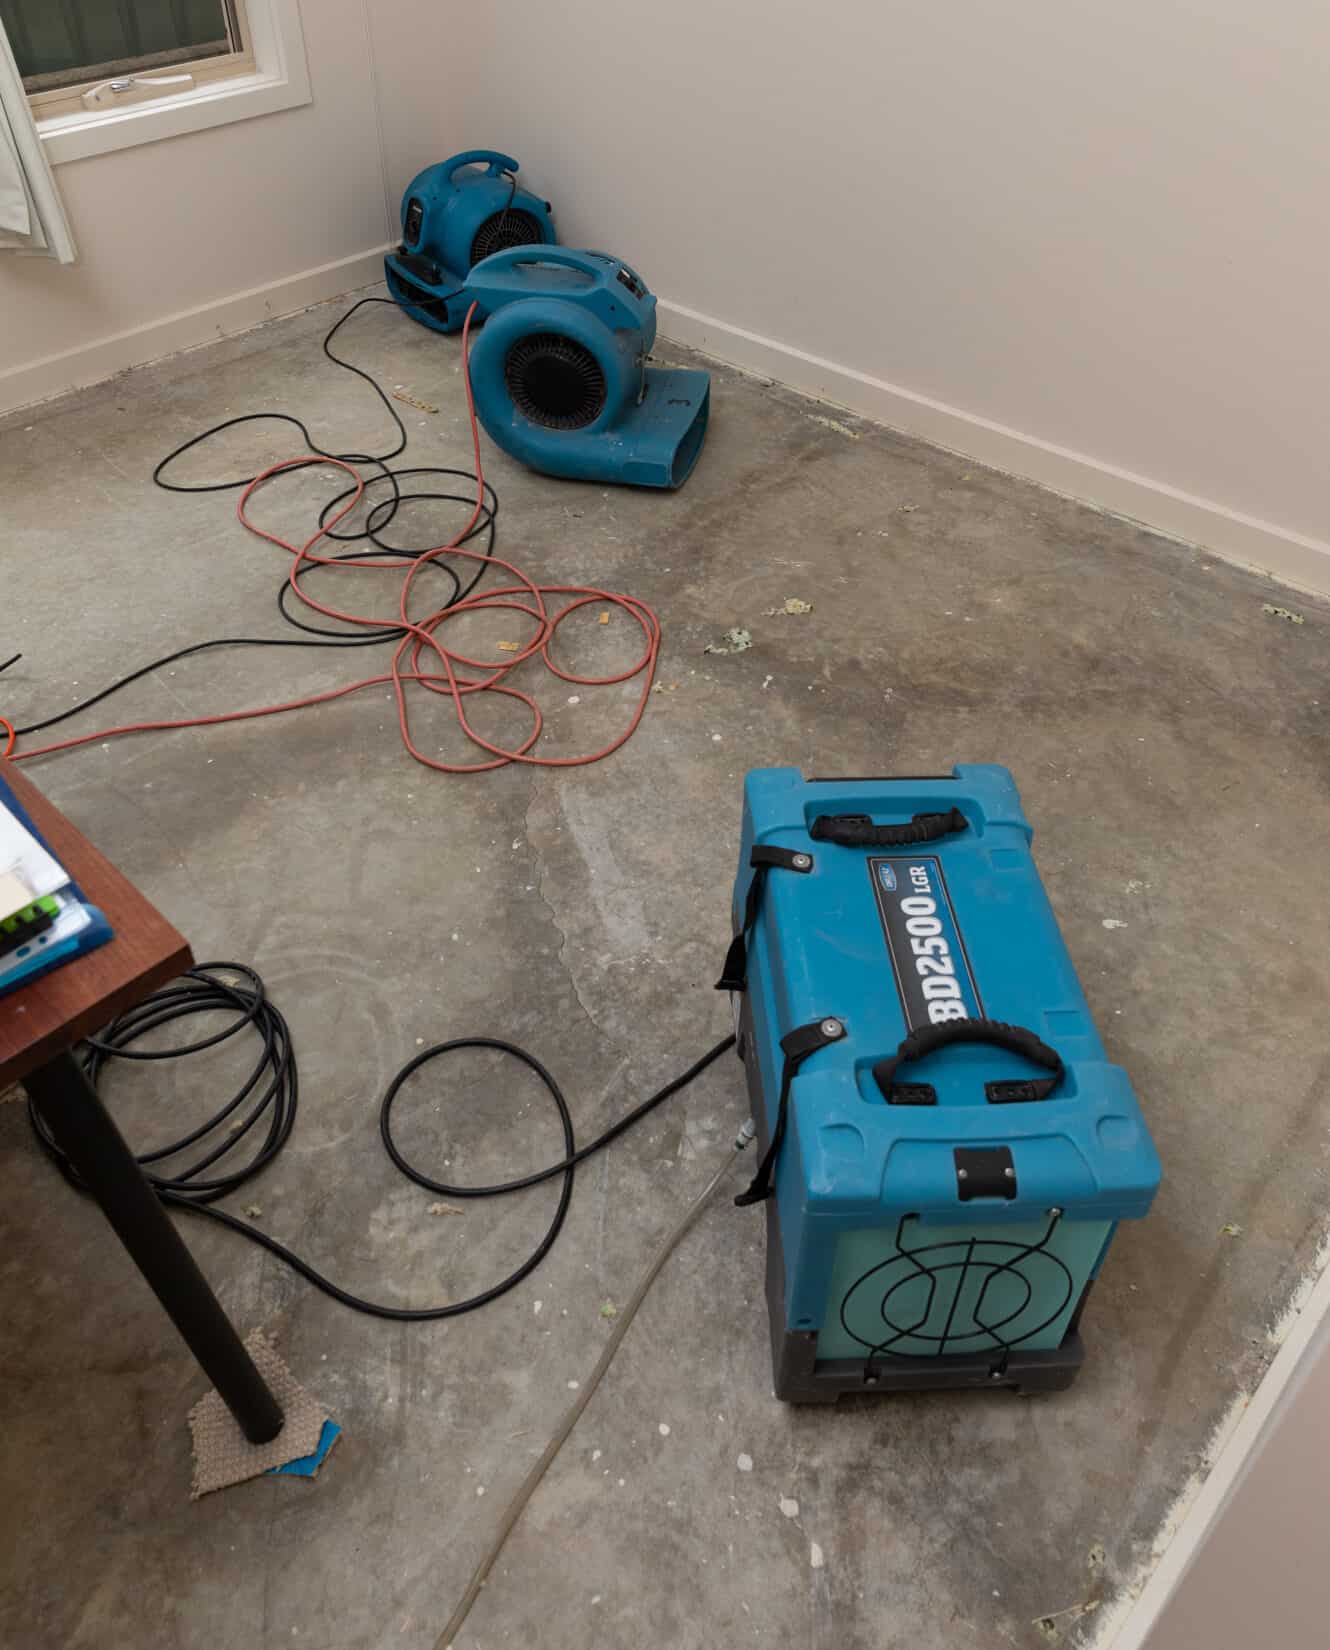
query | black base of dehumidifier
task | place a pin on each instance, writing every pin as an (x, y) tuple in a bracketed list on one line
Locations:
[(800, 1377)]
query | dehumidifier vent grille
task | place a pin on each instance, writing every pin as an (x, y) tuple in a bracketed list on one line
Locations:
[(973, 1294), (555, 381)]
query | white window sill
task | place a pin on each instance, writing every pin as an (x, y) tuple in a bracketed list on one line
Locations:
[(280, 81)]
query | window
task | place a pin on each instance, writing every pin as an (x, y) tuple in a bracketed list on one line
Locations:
[(86, 65), (79, 54)]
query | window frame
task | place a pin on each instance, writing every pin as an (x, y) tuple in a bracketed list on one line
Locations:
[(272, 75), (66, 97)]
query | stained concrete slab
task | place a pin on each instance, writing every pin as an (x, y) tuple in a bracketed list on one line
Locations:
[(1170, 741)]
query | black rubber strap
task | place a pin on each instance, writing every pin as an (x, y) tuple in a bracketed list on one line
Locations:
[(734, 975), (859, 831), (927, 1040), (797, 1046)]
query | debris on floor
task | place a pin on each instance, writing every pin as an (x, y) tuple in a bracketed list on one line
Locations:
[(789, 1506), (792, 605), (834, 424), (1285, 613), (1113, 922), (1048, 1626), (399, 394), (735, 640), (445, 1209), (1230, 1229)]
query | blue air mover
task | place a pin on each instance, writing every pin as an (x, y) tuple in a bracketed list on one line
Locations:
[(452, 217), (560, 373), (947, 1149)]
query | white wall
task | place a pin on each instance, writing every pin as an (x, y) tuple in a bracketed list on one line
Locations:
[(217, 229), (1087, 242), (1260, 1576)]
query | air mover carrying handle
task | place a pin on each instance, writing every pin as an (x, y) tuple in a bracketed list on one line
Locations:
[(859, 831), (495, 163), (599, 265), (926, 1040)]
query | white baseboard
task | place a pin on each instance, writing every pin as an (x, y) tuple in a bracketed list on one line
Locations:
[(1291, 557), (1261, 545), (90, 363)]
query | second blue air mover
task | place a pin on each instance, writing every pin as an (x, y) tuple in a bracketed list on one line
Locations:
[(561, 376), (455, 214), (947, 1150)]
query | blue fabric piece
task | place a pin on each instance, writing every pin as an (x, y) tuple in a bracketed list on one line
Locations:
[(305, 1466)]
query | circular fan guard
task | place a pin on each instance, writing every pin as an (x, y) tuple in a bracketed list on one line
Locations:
[(554, 381), (504, 229)]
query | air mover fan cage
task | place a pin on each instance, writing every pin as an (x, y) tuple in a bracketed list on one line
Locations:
[(555, 381), (511, 227)]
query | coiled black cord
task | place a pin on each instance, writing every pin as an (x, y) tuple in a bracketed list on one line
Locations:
[(266, 1103)]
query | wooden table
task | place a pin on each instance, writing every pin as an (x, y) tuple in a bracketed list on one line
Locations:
[(40, 1023)]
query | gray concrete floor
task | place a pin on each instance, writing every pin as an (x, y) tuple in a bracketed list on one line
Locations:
[(1170, 741)]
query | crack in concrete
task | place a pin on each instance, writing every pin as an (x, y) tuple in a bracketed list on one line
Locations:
[(538, 863)]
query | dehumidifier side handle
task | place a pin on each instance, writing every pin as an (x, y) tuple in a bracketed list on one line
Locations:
[(859, 831), (495, 163), (928, 1040)]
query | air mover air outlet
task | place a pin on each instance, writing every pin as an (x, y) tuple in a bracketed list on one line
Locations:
[(504, 229), (555, 381)]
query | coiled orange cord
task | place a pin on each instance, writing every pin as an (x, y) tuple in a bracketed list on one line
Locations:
[(420, 656)]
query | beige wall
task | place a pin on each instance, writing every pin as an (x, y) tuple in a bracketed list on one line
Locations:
[(1260, 1578), (1085, 241), (180, 227)]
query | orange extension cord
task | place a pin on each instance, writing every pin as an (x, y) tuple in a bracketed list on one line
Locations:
[(420, 647)]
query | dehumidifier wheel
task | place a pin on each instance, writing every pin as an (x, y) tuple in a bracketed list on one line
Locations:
[(555, 381)]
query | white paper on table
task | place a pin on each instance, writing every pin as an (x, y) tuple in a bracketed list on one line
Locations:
[(24, 856)]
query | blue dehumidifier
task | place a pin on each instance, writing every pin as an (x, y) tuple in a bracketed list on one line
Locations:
[(560, 373), (947, 1151), (453, 215)]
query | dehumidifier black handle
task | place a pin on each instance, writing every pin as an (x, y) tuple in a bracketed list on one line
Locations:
[(926, 1040), (859, 831)]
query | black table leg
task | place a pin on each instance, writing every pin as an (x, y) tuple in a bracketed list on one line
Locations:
[(83, 1129)]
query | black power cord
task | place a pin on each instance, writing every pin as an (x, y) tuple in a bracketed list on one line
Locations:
[(376, 522), (265, 1107)]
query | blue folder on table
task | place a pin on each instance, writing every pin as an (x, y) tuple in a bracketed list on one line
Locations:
[(57, 923)]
